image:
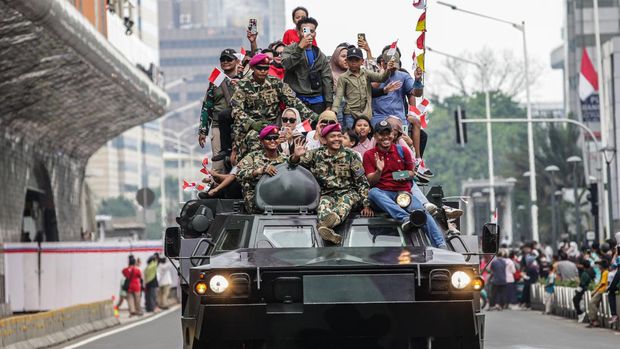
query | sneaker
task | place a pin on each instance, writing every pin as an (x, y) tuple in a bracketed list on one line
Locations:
[(330, 235), (452, 213), (423, 170), (613, 319), (431, 208), (421, 179), (581, 317)]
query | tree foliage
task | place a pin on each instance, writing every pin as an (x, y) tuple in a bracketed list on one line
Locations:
[(117, 207)]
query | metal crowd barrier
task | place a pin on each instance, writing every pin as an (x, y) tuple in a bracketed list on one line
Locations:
[(562, 304)]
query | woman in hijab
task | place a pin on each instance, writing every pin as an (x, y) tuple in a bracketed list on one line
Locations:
[(288, 122)]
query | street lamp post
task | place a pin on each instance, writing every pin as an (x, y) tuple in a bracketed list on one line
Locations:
[(608, 154), (575, 160), (487, 98), (530, 135), (552, 169)]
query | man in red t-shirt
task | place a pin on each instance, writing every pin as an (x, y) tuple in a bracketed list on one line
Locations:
[(379, 164)]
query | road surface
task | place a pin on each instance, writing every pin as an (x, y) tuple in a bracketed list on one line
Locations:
[(505, 330)]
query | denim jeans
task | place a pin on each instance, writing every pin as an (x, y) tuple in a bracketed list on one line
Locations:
[(386, 201), (418, 194), (347, 121)]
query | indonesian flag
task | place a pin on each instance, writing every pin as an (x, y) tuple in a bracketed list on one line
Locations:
[(421, 26), (187, 186), (217, 77), (202, 187), (304, 127), (419, 4), (420, 112), (204, 171), (392, 50), (243, 52), (205, 162), (420, 41), (588, 79)]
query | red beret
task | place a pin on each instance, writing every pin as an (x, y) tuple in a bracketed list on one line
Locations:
[(260, 58), (267, 130), (330, 128)]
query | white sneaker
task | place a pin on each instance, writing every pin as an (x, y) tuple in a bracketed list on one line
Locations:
[(581, 317), (452, 213)]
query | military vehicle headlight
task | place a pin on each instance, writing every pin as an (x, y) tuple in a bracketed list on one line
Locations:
[(218, 284), (403, 199), (478, 283), (460, 280), (200, 287)]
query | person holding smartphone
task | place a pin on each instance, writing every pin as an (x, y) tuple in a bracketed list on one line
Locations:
[(307, 69), (390, 173)]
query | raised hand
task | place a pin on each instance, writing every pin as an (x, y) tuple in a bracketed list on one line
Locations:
[(300, 147), (379, 163)]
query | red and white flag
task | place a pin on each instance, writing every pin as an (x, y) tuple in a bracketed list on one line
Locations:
[(419, 4), (204, 171), (205, 162), (304, 127), (188, 186), (421, 112), (392, 50), (217, 77), (588, 79), (243, 52)]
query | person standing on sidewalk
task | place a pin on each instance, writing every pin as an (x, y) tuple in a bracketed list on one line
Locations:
[(164, 280), (550, 289), (150, 280), (613, 285), (597, 294), (585, 278), (133, 285)]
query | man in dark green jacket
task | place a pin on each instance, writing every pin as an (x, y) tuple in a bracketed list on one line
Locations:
[(307, 69)]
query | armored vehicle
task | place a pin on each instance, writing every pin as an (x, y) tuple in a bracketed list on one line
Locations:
[(269, 281)]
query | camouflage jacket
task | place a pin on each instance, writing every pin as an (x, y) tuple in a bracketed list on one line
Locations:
[(337, 173), (213, 103), (254, 102), (251, 162)]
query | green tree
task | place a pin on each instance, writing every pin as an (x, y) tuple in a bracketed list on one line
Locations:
[(117, 207)]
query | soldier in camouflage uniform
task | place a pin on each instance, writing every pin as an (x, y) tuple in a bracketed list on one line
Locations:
[(252, 167), (256, 103), (340, 174)]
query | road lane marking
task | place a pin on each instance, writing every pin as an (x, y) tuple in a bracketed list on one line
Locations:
[(123, 328)]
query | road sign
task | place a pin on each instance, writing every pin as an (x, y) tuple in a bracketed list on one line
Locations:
[(590, 236), (145, 197)]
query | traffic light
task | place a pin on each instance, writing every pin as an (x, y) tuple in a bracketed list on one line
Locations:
[(461, 131), (593, 198)]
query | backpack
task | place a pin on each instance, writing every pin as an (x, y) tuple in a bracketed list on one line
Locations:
[(127, 281)]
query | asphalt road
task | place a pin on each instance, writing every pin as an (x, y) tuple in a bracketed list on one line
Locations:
[(505, 330)]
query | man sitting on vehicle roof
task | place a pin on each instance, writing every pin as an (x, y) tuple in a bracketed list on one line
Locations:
[(256, 103), (255, 164), (383, 165), (340, 175)]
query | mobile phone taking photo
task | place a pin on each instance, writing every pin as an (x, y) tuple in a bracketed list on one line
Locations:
[(252, 27)]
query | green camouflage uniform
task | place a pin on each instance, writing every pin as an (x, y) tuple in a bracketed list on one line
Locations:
[(253, 161), (342, 180), (256, 105)]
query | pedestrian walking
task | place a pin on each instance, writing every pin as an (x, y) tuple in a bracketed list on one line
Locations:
[(498, 282), (133, 286)]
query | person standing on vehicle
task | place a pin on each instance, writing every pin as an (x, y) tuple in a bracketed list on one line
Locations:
[(257, 163), (133, 286), (380, 165), (256, 104), (307, 69), (340, 175), (216, 111)]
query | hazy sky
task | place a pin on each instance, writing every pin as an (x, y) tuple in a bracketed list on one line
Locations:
[(448, 31)]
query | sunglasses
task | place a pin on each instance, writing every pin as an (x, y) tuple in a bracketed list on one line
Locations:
[(261, 67), (328, 122), (226, 60), (271, 138), (277, 54), (288, 121)]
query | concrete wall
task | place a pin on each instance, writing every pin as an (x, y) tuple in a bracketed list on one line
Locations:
[(64, 274)]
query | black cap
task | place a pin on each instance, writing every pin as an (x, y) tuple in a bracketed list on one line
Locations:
[(383, 126), (355, 52), (229, 53)]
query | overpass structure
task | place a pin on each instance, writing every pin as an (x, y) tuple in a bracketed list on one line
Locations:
[(64, 91)]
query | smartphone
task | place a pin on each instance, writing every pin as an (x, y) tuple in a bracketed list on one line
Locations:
[(361, 37), (406, 129), (306, 31), (400, 175), (252, 26)]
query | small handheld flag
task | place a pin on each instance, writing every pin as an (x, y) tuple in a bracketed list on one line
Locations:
[(304, 127), (217, 77), (392, 51)]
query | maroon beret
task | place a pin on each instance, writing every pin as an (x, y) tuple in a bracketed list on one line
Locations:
[(330, 128), (260, 58)]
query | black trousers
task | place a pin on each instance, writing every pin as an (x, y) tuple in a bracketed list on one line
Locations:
[(613, 287), (577, 301)]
